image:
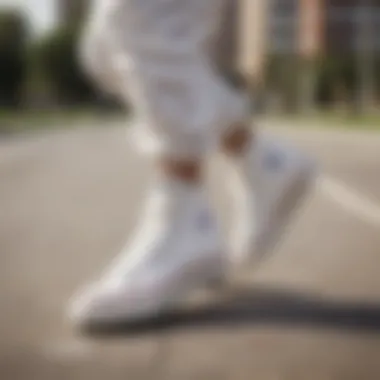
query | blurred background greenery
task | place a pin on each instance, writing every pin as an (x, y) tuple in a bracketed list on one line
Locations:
[(41, 79)]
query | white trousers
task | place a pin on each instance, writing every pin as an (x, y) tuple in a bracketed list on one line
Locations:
[(157, 54)]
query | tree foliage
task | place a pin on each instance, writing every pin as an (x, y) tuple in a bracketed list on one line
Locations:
[(54, 62), (13, 70)]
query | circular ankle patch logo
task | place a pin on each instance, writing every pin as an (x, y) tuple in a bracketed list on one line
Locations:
[(273, 160)]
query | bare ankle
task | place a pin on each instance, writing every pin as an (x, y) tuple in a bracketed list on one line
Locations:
[(237, 140), (184, 170)]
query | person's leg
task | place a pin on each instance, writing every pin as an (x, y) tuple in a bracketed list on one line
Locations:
[(156, 50)]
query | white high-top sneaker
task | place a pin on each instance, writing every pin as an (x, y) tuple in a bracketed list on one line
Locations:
[(176, 249), (271, 180)]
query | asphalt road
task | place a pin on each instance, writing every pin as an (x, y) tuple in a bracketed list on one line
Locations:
[(67, 201)]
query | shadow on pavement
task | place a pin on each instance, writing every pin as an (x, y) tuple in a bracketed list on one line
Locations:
[(257, 307)]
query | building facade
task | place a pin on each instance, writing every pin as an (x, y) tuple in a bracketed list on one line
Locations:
[(312, 27), (303, 30)]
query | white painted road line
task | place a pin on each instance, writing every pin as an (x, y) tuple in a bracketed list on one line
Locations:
[(351, 200)]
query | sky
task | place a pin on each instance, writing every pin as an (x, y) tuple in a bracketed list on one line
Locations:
[(40, 12)]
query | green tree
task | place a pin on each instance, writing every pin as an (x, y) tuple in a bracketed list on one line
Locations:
[(337, 79), (13, 42), (54, 62)]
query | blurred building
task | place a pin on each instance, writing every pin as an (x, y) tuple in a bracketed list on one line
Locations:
[(311, 27), (228, 44), (308, 29)]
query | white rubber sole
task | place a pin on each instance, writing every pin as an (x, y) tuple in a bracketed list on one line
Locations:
[(198, 275)]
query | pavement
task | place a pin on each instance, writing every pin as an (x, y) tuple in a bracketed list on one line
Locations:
[(67, 201)]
